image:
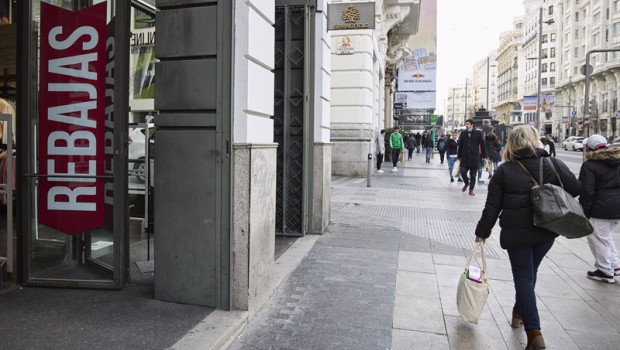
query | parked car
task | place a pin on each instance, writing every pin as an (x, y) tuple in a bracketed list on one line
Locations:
[(575, 144), (136, 150)]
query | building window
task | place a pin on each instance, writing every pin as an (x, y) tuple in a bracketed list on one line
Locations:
[(576, 33), (552, 66), (544, 81), (550, 10), (543, 67), (617, 5), (595, 39), (596, 18), (544, 53), (616, 29), (552, 81), (552, 52), (576, 16), (552, 36), (544, 38), (575, 52)]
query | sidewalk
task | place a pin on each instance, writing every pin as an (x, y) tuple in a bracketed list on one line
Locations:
[(384, 276)]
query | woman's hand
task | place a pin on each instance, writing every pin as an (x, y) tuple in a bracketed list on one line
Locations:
[(479, 239)]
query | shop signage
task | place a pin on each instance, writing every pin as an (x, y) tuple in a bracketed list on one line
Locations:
[(72, 117), (358, 15)]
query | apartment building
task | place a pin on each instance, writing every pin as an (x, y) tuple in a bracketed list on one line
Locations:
[(583, 26), (508, 106), (460, 99), (484, 82)]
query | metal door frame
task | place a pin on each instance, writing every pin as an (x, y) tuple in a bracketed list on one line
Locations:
[(7, 189), (308, 125), (27, 105)]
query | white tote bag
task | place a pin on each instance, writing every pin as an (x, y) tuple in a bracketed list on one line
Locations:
[(472, 295), (457, 168)]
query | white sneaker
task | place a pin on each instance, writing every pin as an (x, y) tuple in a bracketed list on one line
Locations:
[(379, 171), (395, 169)]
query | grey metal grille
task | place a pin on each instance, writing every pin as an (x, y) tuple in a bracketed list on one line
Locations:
[(289, 117)]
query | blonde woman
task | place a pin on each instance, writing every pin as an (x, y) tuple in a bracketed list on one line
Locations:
[(526, 244)]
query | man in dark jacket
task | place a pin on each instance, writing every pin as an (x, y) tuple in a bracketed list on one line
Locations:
[(600, 199), (551, 145), (471, 148)]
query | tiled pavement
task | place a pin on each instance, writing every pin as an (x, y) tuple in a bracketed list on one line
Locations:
[(384, 277)]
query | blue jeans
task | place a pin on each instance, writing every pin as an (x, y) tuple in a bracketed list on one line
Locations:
[(451, 161), (524, 262), (428, 154), (480, 163)]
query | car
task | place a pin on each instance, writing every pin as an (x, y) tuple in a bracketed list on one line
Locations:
[(136, 150), (575, 144), (615, 141), (569, 139)]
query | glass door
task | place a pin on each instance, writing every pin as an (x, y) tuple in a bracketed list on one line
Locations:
[(74, 214)]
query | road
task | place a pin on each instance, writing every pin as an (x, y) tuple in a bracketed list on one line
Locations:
[(571, 158)]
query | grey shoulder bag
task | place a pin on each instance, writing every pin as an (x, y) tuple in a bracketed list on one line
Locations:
[(556, 210)]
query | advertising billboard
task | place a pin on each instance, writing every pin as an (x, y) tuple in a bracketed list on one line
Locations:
[(418, 71), (415, 99)]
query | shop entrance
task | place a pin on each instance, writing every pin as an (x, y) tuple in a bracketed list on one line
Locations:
[(73, 135)]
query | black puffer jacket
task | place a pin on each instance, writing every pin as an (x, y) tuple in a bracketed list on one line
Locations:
[(600, 184), (452, 146), (509, 199)]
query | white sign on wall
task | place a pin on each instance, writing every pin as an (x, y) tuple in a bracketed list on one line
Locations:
[(416, 99)]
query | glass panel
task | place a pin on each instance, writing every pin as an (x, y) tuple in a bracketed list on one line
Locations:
[(72, 150)]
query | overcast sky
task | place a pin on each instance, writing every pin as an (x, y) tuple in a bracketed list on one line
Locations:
[(466, 32)]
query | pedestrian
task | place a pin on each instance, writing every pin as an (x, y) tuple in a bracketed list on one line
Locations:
[(452, 148), (490, 141), (428, 146), (600, 199), (510, 195), (380, 149), (396, 144), (418, 141), (551, 145), (544, 143), (471, 149), (441, 147), (411, 145)]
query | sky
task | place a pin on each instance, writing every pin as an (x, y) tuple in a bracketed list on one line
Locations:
[(466, 32)]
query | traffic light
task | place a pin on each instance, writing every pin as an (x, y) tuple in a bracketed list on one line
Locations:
[(592, 110)]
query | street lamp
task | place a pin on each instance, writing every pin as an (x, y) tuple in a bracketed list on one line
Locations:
[(540, 24)]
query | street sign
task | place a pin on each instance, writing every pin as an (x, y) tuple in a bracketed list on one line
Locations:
[(398, 105), (573, 113), (582, 69)]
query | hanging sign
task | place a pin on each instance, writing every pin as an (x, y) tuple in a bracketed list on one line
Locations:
[(72, 116)]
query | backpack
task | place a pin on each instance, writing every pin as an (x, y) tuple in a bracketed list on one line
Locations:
[(441, 145)]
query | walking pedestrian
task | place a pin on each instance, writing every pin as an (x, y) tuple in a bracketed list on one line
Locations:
[(396, 144), (452, 148), (600, 199), (509, 195), (428, 146), (441, 147), (551, 145), (411, 145), (491, 142), (380, 149), (418, 142), (471, 142)]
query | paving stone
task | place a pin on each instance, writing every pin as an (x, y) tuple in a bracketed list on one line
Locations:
[(406, 340)]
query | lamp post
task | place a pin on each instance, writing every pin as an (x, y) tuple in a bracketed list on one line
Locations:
[(466, 81), (540, 25)]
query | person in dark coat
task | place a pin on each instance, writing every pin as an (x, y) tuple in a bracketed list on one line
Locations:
[(490, 141), (441, 147), (600, 199), (509, 199), (418, 141), (471, 148), (427, 142), (551, 145), (410, 143)]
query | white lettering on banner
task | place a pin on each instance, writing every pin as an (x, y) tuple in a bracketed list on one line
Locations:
[(58, 114), (79, 142), (58, 66), (71, 197), (74, 87), (70, 140), (51, 170), (108, 191), (65, 44)]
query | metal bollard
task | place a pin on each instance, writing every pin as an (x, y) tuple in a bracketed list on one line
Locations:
[(369, 181)]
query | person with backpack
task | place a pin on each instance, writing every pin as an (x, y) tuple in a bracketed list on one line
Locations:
[(411, 145), (441, 147), (397, 145)]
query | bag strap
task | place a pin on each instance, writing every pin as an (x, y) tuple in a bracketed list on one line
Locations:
[(554, 171), (482, 254), (528, 173)]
